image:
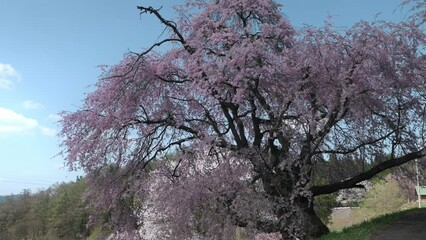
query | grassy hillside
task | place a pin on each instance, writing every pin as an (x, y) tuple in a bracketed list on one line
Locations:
[(363, 231)]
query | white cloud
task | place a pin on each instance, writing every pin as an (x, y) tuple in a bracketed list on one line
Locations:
[(12, 122), (8, 75), (32, 105), (54, 117), (5, 83), (50, 132)]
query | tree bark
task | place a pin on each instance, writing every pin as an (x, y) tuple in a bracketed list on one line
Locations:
[(302, 223), (297, 219), (316, 227)]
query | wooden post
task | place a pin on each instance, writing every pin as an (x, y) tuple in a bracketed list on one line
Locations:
[(419, 198)]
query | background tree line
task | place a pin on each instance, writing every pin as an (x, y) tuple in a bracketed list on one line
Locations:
[(55, 213)]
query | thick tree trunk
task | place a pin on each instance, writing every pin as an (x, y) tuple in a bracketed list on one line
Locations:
[(313, 224), (287, 186), (302, 223)]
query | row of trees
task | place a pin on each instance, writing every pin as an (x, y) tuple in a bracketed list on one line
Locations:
[(55, 213)]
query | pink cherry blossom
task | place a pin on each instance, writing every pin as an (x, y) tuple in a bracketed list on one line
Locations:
[(218, 135)]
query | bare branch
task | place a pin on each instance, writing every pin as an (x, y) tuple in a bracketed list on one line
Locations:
[(169, 24), (353, 149)]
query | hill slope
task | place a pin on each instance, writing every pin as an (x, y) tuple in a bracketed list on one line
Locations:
[(410, 224)]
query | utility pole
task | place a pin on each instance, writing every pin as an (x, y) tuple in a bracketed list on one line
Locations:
[(419, 198)]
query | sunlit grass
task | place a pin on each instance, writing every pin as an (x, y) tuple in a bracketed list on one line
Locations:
[(364, 230)]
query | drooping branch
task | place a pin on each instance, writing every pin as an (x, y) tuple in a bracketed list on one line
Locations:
[(352, 182)]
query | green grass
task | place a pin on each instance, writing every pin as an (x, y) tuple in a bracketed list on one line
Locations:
[(95, 233), (363, 231), (99, 233)]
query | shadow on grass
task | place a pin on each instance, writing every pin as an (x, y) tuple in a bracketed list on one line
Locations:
[(364, 230)]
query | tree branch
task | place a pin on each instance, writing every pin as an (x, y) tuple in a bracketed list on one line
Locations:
[(352, 182), (231, 124), (169, 24), (354, 148)]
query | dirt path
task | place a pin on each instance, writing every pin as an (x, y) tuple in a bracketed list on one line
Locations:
[(412, 226)]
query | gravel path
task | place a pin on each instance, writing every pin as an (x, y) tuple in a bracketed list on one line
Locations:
[(412, 226)]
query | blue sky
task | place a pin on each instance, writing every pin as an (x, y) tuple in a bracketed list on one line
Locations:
[(49, 53)]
